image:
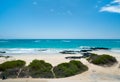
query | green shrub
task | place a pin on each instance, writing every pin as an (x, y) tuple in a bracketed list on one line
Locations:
[(10, 73), (69, 69), (81, 67), (39, 68), (24, 73), (102, 59), (12, 64)]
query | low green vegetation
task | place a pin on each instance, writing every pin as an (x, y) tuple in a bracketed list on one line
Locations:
[(68, 69), (10, 69), (12, 64), (104, 60), (24, 73), (10, 73), (39, 68)]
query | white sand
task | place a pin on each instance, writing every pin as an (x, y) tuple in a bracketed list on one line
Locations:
[(94, 74)]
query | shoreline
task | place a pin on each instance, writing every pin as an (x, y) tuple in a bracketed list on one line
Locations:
[(49, 50)]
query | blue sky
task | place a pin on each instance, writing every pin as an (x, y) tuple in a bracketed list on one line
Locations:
[(54, 19)]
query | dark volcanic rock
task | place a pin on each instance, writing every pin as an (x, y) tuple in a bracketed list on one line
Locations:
[(2, 52), (99, 48), (68, 52), (73, 57)]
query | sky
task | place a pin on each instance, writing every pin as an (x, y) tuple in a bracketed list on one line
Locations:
[(59, 19)]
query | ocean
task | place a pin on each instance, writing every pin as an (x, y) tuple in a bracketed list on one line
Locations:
[(32, 45)]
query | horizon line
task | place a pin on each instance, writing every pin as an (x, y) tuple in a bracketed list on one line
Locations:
[(54, 38)]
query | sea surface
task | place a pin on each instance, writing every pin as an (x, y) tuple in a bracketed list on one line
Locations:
[(54, 45)]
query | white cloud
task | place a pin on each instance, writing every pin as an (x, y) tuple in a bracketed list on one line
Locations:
[(116, 1), (114, 7)]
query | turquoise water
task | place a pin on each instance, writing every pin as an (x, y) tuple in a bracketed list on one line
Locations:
[(58, 43)]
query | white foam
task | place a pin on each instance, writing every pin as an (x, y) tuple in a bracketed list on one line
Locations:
[(115, 50), (30, 50), (34, 50), (19, 50), (53, 50)]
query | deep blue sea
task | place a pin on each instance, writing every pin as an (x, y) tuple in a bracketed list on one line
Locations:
[(30, 44)]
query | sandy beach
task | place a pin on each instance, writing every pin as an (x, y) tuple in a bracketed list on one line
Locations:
[(59, 40), (94, 74)]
